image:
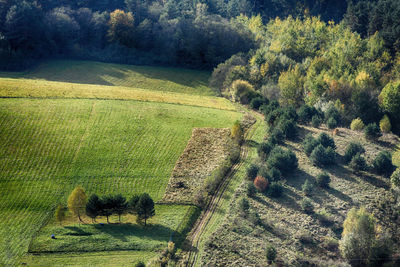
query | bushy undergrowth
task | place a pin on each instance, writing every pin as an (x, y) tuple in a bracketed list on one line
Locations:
[(323, 156), (275, 189), (323, 180), (357, 125), (383, 163), (358, 163), (283, 160), (353, 149), (372, 132)]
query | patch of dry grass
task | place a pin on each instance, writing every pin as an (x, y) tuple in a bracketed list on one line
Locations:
[(206, 150)]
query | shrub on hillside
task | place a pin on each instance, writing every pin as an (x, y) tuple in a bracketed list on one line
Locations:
[(383, 163), (289, 113), (323, 180), (307, 187), (242, 91), (352, 149), (256, 102), (264, 148), (357, 125), (372, 132), (385, 124), (251, 190), (260, 183), (274, 175), (395, 178), (275, 189), (243, 205), (276, 136), (358, 163), (283, 160), (325, 140), (322, 156), (309, 144), (332, 113), (139, 264), (331, 123), (252, 171), (316, 121), (307, 205), (270, 253), (237, 132), (306, 113), (288, 127)]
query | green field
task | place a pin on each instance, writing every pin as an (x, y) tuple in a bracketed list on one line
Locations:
[(107, 258), (48, 146), (177, 80)]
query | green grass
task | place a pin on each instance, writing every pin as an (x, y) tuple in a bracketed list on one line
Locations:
[(49, 146), (110, 237), (33, 88), (107, 258), (150, 78)]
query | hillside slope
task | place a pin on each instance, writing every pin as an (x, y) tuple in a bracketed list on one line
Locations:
[(299, 237)]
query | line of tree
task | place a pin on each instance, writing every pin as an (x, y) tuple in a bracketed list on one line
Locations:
[(78, 204), (140, 205)]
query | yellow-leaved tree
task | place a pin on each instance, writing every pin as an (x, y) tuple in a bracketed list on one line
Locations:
[(60, 213), (77, 201)]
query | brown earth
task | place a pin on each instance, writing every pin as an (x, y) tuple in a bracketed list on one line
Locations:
[(205, 151)]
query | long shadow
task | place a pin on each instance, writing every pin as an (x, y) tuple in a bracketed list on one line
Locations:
[(76, 231), (121, 231), (339, 171), (100, 70), (339, 195), (374, 181)]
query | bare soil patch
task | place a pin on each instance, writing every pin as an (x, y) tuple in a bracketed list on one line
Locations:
[(207, 149)]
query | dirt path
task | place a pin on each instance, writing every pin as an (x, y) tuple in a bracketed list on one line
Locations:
[(202, 222)]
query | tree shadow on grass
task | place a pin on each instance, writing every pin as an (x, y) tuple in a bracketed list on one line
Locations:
[(373, 180), (121, 231), (339, 195), (77, 231), (340, 172)]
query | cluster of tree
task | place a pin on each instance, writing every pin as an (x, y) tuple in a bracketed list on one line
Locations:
[(362, 244), (78, 204), (368, 17), (141, 32), (308, 61)]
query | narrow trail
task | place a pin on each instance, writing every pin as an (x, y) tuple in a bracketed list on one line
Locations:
[(211, 208)]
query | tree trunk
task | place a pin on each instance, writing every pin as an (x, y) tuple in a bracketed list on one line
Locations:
[(119, 217), (107, 219), (79, 216)]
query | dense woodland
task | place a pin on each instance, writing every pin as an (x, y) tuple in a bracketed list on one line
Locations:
[(299, 52)]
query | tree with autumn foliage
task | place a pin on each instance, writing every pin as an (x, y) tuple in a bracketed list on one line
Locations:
[(121, 29), (77, 202)]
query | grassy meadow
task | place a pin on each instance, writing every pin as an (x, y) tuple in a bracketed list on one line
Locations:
[(163, 79), (48, 146)]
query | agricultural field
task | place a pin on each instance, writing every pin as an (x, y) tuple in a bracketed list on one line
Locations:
[(48, 146)]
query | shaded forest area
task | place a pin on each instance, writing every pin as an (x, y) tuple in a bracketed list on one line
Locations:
[(189, 33)]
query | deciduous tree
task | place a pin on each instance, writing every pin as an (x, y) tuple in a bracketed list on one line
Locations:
[(77, 201)]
